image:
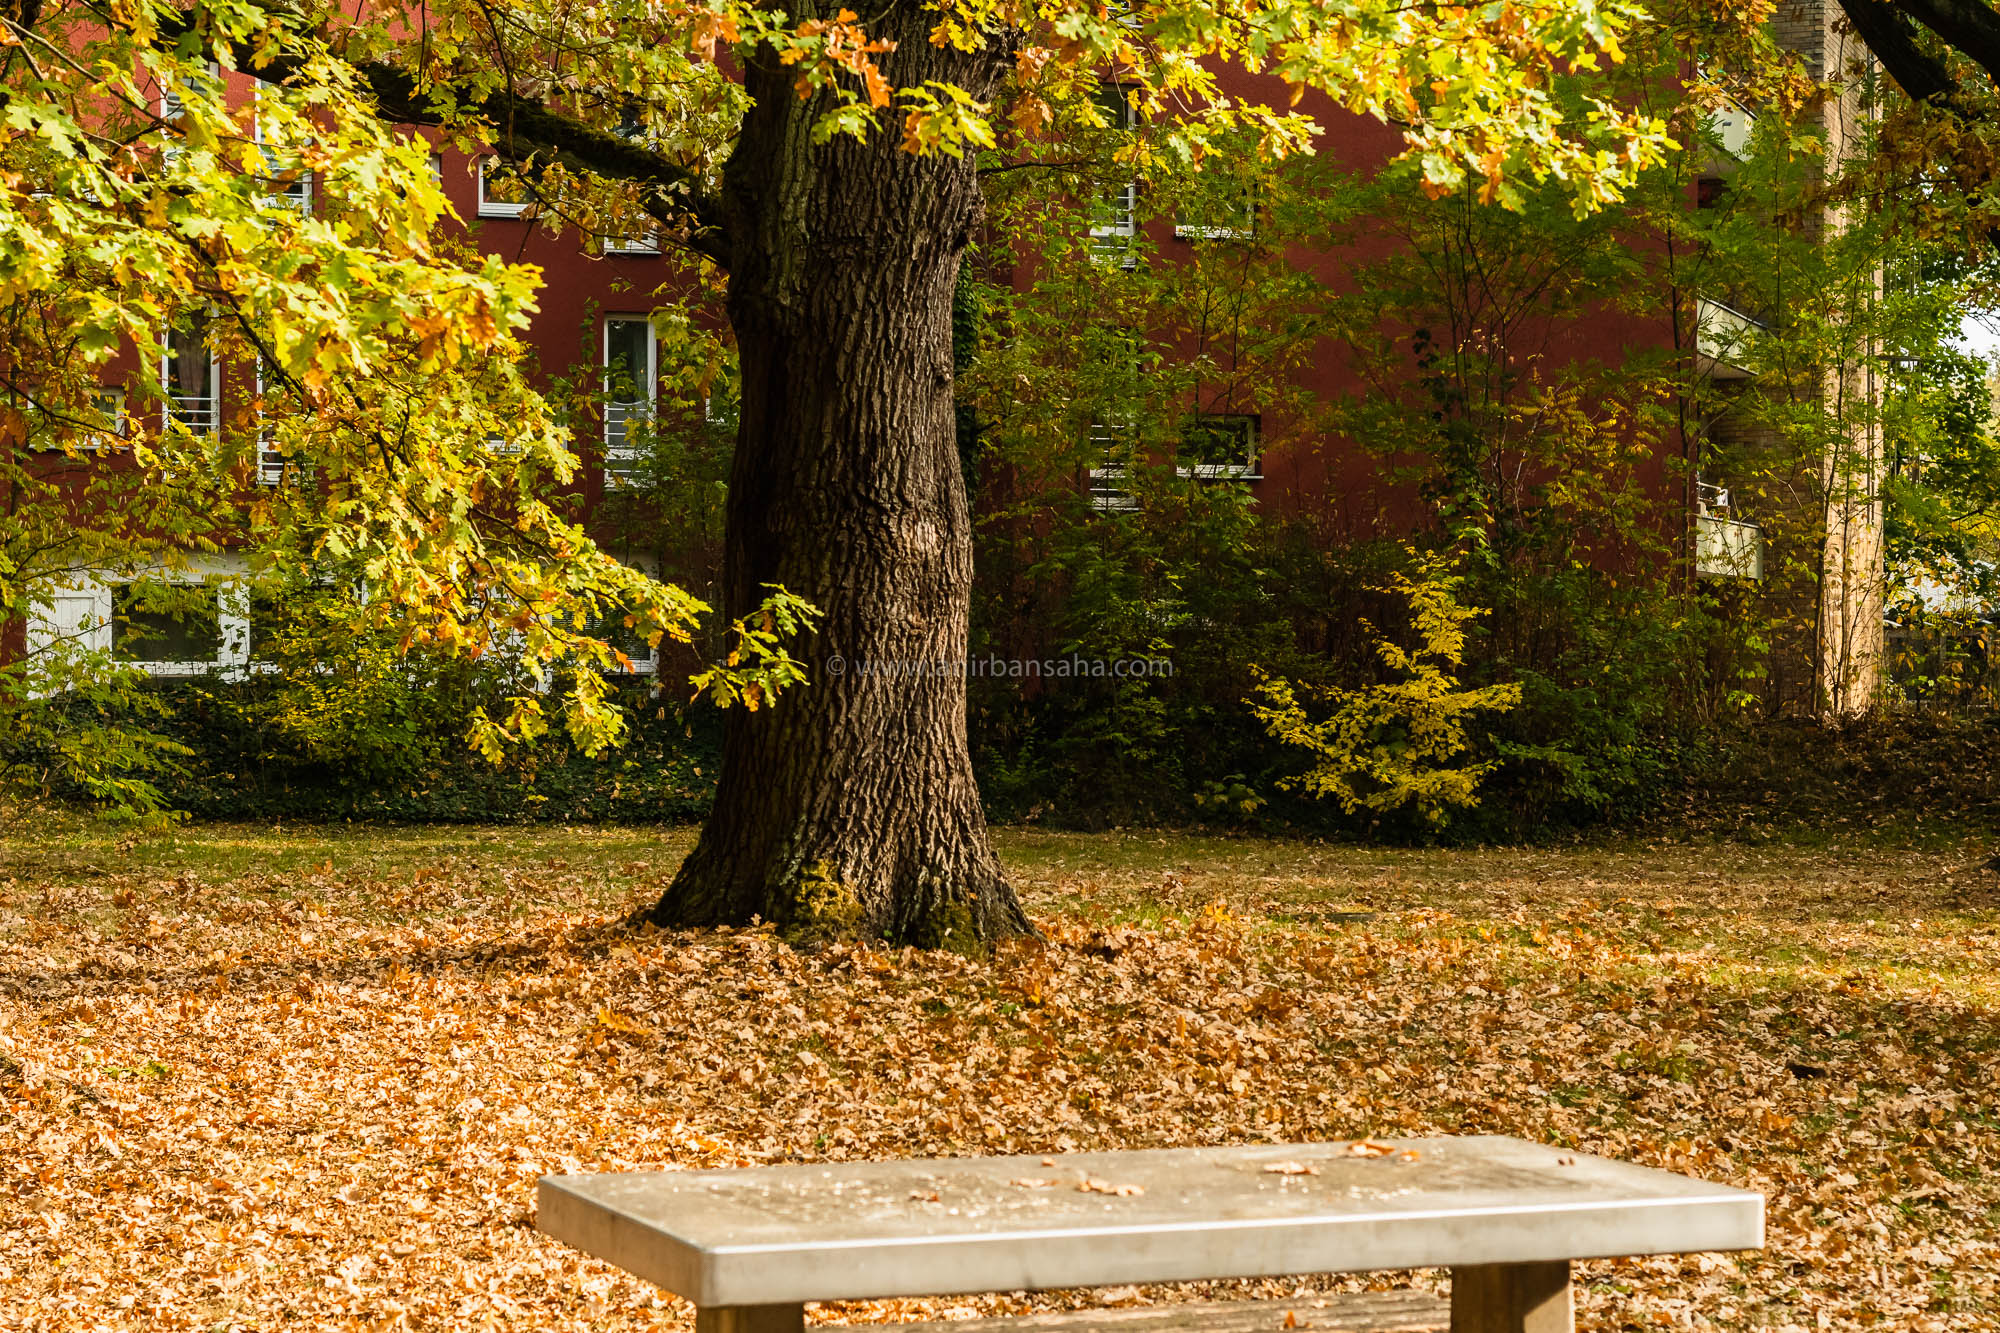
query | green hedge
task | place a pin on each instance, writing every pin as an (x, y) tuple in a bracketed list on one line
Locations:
[(243, 768)]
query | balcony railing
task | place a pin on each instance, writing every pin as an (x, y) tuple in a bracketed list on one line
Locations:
[(295, 193), (270, 464), (1108, 490), (1724, 546), (622, 422), (1111, 445), (197, 412), (1721, 340), (1116, 227), (1728, 548)]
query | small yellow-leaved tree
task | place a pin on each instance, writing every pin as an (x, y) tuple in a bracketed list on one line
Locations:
[(1398, 742)]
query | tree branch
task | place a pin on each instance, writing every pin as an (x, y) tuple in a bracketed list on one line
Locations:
[(673, 196), (529, 128), (1966, 26), (1970, 27), (1887, 31)]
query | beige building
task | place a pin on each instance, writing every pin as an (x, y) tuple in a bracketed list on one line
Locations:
[(1853, 575), (1825, 567)]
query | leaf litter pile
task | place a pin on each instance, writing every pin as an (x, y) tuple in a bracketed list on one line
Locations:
[(295, 1079)]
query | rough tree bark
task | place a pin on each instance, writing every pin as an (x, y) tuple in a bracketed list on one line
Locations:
[(850, 807)]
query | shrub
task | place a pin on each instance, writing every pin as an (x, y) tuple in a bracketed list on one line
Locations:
[(1399, 742)]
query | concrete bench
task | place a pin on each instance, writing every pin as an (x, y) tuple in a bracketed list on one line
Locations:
[(750, 1247)]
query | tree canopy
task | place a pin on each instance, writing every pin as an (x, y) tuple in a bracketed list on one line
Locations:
[(147, 193)]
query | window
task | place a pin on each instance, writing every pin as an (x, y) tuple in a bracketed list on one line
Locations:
[(273, 619), (270, 459), (632, 129), (1115, 211), (626, 639), (108, 406), (277, 621), (1231, 217), (1111, 438), (631, 378), (169, 633), (1725, 340), (1734, 126), (172, 104), (1217, 445), (1110, 442), (291, 622), (291, 182), (646, 245), (91, 426), (190, 379), (502, 191), (165, 624)]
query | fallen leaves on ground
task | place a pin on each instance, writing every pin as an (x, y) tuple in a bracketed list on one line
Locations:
[(319, 1093)]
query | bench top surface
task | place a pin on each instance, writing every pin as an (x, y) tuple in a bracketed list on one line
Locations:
[(852, 1230)]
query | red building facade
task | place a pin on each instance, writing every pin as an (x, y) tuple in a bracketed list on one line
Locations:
[(592, 329)]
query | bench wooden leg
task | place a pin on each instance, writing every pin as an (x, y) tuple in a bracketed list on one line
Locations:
[(1512, 1298), (749, 1319)]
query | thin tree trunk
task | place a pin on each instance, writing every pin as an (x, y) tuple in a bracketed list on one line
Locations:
[(849, 808)]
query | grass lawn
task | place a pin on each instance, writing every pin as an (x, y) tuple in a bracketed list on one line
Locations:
[(263, 1077)]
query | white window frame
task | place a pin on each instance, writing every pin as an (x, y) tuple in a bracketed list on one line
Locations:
[(621, 415), (109, 402), (1722, 333), (625, 247), (1252, 466), (172, 108), (1198, 231), (1107, 438), (270, 461), (632, 130), (213, 424), (1209, 231), (1725, 546), (232, 654), (1113, 437), (497, 208), (297, 194), (232, 615), (1112, 241), (649, 665), (80, 614), (106, 401)]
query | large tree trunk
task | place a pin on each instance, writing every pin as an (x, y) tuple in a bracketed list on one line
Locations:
[(849, 807)]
